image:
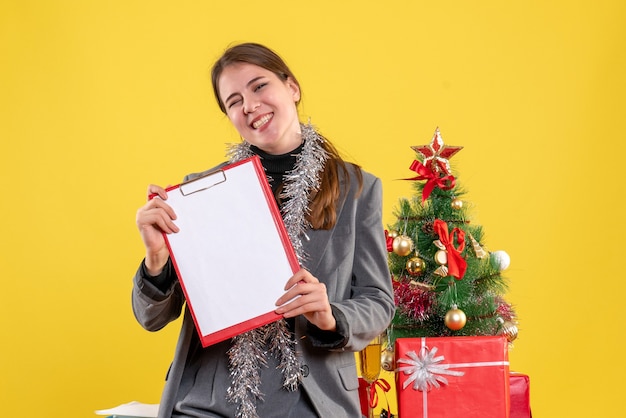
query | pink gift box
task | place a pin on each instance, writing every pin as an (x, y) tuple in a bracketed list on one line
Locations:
[(520, 396)]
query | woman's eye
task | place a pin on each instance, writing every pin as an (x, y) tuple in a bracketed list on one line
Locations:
[(233, 103), (260, 86)]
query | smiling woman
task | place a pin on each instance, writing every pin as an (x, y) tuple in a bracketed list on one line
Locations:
[(340, 299), (261, 106)]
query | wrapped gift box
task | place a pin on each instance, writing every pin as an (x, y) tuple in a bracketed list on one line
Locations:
[(520, 396), (452, 377)]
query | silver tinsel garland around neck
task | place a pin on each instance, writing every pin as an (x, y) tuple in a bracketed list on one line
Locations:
[(248, 350)]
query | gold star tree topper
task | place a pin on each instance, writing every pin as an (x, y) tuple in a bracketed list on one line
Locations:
[(436, 154)]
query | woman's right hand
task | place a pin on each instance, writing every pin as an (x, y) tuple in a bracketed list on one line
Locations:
[(153, 219)]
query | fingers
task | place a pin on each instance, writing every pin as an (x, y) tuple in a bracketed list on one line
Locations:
[(301, 284), (158, 205), (301, 275), (157, 219), (305, 295), (309, 300), (156, 214), (153, 189), (301, 305)]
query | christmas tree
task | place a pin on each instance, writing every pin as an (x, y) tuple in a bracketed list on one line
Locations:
[(446, 281)]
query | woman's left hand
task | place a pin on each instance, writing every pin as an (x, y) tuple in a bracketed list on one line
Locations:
[(312, 301)]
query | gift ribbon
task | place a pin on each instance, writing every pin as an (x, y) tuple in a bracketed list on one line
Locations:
[(456, 264), (433, 179), (373, 394), (425, 371)]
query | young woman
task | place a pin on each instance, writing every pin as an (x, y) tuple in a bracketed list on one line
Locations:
[(303, 365)]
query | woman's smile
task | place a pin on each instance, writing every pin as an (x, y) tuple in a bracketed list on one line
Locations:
[(262, 120)]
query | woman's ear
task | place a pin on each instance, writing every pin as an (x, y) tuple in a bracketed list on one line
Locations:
[(295, 89)]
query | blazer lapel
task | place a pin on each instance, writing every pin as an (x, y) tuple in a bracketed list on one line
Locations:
[(315, 242)]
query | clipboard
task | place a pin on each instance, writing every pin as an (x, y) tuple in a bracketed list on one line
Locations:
[(232, 254)]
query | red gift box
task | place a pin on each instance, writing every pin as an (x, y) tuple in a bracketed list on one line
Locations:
[(445, 377), (520, 396)]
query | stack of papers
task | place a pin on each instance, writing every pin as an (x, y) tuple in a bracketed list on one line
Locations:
[(132, 409)]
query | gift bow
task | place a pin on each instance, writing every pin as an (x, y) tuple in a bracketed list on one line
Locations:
[(373, 395), (433, 179), (456, 264), (425, 370)]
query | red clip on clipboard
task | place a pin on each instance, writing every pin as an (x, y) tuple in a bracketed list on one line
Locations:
[(232, 254)]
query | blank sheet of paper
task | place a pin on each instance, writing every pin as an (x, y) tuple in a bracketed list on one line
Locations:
[(232, 254)]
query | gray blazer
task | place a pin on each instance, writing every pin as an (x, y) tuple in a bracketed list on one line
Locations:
[(351, 259)]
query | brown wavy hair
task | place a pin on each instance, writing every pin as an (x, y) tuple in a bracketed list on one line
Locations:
[(323, 214)]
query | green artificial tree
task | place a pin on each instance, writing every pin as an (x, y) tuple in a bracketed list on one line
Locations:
[(446, 282)]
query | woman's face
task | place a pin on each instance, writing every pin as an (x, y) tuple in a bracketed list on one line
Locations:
[(262, 107)]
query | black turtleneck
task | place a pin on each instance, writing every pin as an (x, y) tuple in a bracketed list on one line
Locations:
[(277, 165)]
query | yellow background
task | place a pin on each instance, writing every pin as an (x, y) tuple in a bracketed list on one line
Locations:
[(100, 98)]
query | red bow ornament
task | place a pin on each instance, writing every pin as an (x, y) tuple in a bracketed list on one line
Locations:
[(444, 182), (373, 394), (456, 263)]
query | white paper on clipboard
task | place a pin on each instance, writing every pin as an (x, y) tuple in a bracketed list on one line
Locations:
[(232, 253)]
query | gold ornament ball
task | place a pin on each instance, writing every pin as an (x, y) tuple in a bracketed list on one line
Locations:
[(402, 245), (456, 204), (393, 234), (441, 257), (455, 319), (509, 330), (387, 361), (415, 266)]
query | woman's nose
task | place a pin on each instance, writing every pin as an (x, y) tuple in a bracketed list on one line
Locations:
[(250, 107)]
